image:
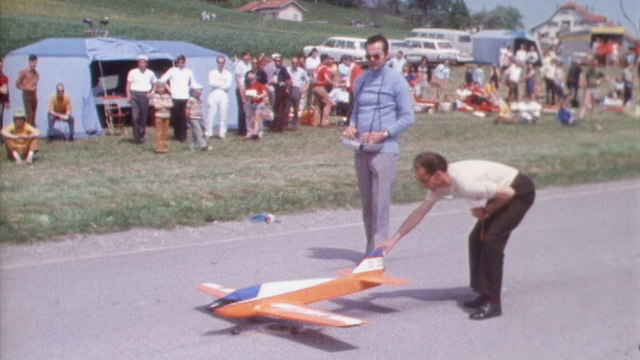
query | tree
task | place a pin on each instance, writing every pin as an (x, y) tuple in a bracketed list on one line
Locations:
[(502, 17), (442, 13), (459, 15)]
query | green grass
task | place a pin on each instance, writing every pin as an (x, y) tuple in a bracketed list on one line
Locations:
[(108, 184), (23, 22)]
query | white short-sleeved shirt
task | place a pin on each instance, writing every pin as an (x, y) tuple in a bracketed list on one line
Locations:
[(181, 81), (141, 81), (475, 180), (311, 63), (242, 69)]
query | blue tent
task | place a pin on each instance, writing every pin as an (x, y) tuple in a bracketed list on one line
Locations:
[(80, 63), (487, 43)]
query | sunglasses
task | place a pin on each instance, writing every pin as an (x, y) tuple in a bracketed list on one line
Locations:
[(375, 57)]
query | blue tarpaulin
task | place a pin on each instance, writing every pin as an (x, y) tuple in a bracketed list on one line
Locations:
[(72, 61), (487, 43)]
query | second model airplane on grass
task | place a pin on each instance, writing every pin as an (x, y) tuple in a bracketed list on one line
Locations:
[(288, 299)]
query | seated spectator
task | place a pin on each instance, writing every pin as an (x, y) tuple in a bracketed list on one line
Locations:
[(565, 115), (462, 93), (60, 110), (529, 110), (340, 96), (505, 115), (21, 139)]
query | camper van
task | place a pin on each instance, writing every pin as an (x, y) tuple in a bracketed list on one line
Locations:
[(461, 40)]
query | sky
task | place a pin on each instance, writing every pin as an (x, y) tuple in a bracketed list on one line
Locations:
[(536, 12)]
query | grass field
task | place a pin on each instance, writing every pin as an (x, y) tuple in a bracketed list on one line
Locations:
[(108, 184), (23, 22)]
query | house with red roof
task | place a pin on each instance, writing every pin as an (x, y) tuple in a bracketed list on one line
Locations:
[(569, 17), (275, 9)]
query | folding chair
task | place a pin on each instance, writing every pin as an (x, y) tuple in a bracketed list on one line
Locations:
[(113, 114)]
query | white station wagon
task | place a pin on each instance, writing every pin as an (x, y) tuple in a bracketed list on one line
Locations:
[(434, 50), (338, 45)]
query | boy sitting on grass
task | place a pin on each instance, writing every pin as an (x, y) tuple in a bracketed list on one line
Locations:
[(21, 138), (565, 115)]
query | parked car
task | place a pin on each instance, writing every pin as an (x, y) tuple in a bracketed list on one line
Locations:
[(434, 50), (461, 40), (396, 45), (338, 45)]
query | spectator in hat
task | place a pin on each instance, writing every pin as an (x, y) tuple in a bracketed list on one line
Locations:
[(140, 87), (281, 82), (60, 110), (21, 139)]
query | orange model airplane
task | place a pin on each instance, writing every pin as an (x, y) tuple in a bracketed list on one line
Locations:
[(287, 299)]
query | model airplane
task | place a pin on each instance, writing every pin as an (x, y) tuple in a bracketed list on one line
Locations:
[(287, 299)]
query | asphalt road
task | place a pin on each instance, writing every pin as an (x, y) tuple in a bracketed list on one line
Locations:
[(571, 288)]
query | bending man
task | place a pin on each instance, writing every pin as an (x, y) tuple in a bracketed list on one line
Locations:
[(508, 193)]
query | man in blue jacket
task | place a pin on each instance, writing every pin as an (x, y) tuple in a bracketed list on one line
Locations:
[(382, 110)]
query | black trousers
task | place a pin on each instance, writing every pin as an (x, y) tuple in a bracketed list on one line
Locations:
[(280, 110), (486, 256), (179, 119), (242, 126)]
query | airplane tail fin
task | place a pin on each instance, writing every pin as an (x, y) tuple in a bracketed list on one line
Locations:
[(372, 262), (371, 270)]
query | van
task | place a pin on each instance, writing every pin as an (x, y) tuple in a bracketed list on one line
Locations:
[(461, 40)]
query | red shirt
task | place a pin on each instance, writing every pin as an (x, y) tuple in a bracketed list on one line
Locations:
[(4, 85), (260, 90), (355, 72), (324, 76)]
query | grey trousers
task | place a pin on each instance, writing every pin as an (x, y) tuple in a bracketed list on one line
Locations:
[(376, 179), (139, 115), (197, 138)]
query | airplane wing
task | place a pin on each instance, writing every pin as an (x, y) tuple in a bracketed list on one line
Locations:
[(384, 279), (308, 314), (216, 290)]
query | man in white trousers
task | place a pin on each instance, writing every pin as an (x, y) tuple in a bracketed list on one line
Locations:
[(220, 80)]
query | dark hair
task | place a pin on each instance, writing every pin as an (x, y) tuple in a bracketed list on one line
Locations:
[(431, 162), (32, 57), (181, 58), (379, 38), (245, 53)]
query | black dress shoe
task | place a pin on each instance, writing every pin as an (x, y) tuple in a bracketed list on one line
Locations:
[(486, 311), (475, 303)]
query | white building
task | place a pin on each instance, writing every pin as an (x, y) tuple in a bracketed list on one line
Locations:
[(569, 17), (275, 9)]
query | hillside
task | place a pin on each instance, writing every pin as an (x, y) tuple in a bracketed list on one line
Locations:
[(26, 21)]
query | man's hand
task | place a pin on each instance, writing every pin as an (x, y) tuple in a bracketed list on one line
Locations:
[(479, 213), (374, 137), (350, 132), (387, 245)]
